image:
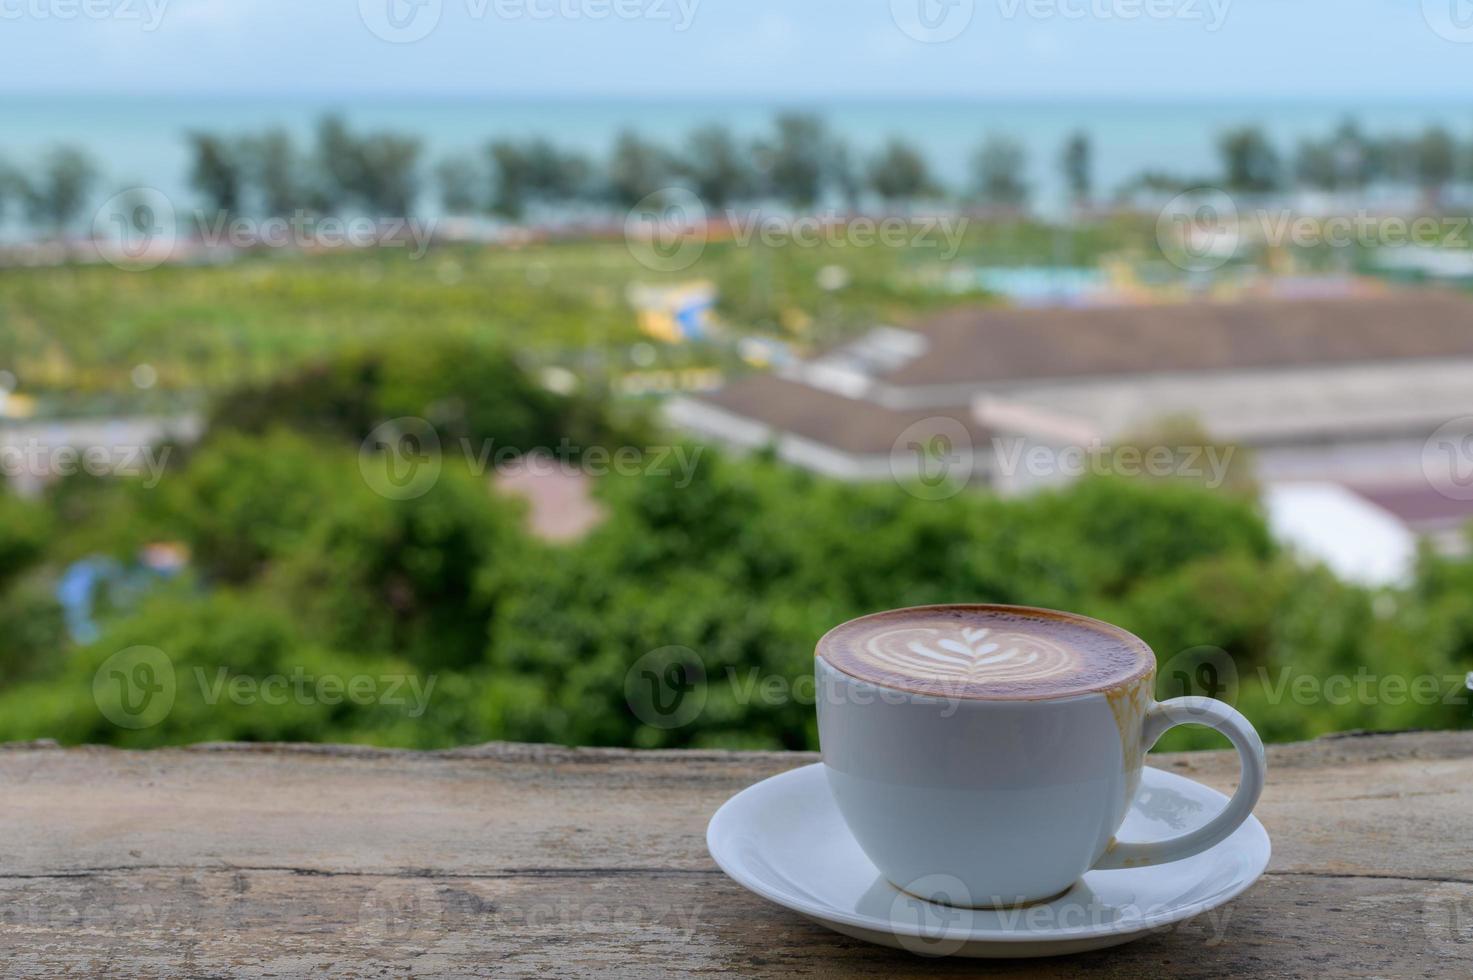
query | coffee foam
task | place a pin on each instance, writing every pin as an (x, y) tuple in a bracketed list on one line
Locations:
[(986, 652)]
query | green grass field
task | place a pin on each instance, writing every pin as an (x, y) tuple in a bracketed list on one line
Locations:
[(73, 334)]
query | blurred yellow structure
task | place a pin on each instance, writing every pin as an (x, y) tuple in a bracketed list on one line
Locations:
[(675, 314), (13, 406)]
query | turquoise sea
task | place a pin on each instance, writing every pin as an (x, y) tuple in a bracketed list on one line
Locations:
[(139, 140)]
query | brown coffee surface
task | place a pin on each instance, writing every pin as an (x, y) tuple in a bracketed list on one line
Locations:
[(987, 652)]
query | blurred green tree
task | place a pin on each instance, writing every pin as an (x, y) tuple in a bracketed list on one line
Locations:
[(1077, 165), (1250, 164), (636, 169), (800, 158), (55, 199), (899, 173), (217, 172), (460, 180), (997, 173), (718, 167)]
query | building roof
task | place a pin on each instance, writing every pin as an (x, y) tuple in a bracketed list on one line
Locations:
[(1369, 399), (560, 499), (1419, 505), (971, 345), (849, 424), (1356, 538)]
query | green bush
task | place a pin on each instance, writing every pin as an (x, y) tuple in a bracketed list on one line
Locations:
[(238, 670), (34, 631), (476, 395), (25, 532)]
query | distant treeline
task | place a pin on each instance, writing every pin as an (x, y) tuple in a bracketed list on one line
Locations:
[(799, 162)]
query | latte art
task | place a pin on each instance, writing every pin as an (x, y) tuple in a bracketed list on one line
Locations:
[(977, 654), (987, 652)]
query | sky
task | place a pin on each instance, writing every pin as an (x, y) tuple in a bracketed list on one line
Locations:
[(1349, 51)]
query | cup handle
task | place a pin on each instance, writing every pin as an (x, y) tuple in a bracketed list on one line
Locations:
[(1226, 719)]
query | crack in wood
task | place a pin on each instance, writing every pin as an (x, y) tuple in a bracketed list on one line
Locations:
[(1370, 876)]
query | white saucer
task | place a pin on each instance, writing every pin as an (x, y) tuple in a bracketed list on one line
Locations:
[(784, 839)]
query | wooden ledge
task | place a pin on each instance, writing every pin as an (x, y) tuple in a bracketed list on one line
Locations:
[(507, 860)]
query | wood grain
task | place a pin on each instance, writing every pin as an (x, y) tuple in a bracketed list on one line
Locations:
[(516, 860)]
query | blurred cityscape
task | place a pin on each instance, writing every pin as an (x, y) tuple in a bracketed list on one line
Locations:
[(531, 413)]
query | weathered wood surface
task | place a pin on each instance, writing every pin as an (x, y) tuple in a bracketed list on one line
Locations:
[(515, 860)]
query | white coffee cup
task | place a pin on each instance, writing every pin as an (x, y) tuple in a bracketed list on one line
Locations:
[(1015, 799)]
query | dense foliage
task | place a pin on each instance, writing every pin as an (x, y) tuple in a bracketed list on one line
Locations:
[(687, 617)]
